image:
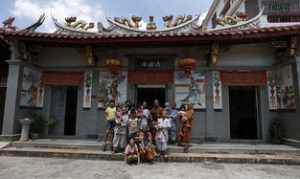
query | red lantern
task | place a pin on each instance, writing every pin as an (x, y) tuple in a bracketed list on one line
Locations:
[(113, 65), (187, 64)]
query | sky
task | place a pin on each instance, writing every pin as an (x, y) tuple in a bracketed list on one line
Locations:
[(27, 12)]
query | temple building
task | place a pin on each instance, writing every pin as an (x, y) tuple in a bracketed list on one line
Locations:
[(239, 67)]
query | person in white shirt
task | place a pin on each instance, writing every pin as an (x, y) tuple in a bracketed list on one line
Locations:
[(145, 117), (161, 138)]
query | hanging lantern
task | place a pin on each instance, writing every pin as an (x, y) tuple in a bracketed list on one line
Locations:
[(113, 65), (187, 64)]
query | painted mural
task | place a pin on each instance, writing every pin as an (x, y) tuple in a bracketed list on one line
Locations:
[(87, 89), (190, 89), (217, 90), (111, 88), (281, 91), (32, 92)]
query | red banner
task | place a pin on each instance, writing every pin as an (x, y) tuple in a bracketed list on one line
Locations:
[(62, 78), (150, 77), (244, 78)]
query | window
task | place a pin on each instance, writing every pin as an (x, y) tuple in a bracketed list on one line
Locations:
[(283, 18)]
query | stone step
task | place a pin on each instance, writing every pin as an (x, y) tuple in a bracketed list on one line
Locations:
[(90, 145), (288, 159), (195, 148)]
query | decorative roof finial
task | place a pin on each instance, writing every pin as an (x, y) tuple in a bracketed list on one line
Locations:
[(151, 24), (8, 24)]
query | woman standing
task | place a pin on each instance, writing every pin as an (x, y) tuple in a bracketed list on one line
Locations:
[(185, 132), (120, 131)]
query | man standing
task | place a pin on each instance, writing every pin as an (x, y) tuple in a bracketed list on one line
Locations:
[(110, 116)]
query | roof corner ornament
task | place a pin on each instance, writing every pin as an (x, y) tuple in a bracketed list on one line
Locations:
[(8, 24), (181, 19), (151, 24), (232, 20), (78, 24)]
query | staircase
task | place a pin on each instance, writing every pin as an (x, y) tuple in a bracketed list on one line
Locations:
[(214, 152)]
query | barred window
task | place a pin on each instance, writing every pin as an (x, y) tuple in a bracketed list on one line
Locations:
[(283, 18)]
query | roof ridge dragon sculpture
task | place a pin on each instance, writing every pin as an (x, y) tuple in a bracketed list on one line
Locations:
[(8, 24)]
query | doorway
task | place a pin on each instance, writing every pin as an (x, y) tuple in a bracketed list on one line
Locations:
[(63, 110), (2, 106), (150, 93), (3, 86), (70, 111), (243, 112)]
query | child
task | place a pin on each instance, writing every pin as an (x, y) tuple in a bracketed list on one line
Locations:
[(132, 155), (161, 138), (147, 153), (132, 124)]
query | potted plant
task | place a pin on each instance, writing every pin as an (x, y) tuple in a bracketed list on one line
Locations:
[(51, 123), (38, 125)]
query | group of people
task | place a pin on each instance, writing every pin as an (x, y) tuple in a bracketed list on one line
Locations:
[(143, 134)]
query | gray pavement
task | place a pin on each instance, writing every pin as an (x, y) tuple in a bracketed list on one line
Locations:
[(46, 168)]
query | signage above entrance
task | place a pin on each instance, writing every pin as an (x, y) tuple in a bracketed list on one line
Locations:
[(244, 78), (152, 62), (154, 77)]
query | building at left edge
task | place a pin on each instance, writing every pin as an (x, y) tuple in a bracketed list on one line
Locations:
[(239, 67)]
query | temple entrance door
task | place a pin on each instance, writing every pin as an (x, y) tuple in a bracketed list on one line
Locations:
[(149, 93), (63, 110), (71, 111), (243, 112)]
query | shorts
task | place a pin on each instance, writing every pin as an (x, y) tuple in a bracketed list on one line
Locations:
[(110, 124)]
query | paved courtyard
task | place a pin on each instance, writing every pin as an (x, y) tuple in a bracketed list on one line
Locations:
[(45, 168)]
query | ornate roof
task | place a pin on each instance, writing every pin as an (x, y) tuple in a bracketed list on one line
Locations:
[(133, 25), (195, 37)]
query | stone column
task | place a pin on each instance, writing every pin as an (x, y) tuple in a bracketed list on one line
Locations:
[(11, 103), (298, 76), (15, 71)]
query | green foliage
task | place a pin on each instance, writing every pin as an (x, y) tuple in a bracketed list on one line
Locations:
[(38, 124)]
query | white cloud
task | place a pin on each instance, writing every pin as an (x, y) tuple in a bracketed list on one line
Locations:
[(32, 9)]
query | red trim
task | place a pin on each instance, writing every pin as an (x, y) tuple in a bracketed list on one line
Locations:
[(244, 78), (150, 77), (62, 78)]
